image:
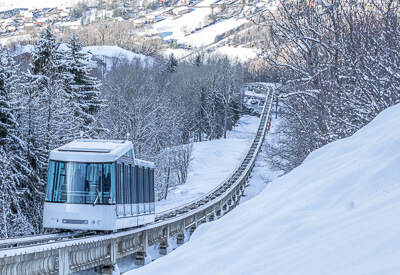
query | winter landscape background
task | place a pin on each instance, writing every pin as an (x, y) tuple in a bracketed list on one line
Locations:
[(175, 77)]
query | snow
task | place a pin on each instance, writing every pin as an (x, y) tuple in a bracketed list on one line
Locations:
[(206, 36), (107, 53), (191, 20), (115, 51), (175, 28), (212, 163), (37, 4), (238, 53), (337, 213)]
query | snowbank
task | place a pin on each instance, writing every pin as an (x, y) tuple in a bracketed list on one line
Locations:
[(337, 213)]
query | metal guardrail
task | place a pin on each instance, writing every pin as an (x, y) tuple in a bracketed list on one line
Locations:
[(68, 256)]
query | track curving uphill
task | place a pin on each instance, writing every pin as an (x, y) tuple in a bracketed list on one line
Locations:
[(65, 253)]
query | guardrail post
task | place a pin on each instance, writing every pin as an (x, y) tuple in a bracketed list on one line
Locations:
[(63, 261)]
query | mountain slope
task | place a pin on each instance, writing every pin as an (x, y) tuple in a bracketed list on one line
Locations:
[(337, 213)]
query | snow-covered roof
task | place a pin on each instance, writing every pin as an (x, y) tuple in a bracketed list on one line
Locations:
[(92, 150), (144, 163)]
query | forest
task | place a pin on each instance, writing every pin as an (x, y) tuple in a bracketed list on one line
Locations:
[(339, 66), (59, 95)]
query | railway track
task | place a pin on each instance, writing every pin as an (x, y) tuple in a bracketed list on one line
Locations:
[(40, 239), (64, 253)]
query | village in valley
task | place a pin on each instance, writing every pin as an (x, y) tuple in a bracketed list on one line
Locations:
[(138, 18)]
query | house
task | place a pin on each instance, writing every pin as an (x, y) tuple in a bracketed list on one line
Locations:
[(29, 27), (150, 18), (27, 14), (41, 21), (138, 22), (180, 11)]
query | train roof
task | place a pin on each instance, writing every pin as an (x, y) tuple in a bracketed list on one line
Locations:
[(92, 150), (144, 163)]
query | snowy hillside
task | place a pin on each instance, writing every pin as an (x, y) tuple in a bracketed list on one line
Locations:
[(36, 4), (105, 53), (337, 213)]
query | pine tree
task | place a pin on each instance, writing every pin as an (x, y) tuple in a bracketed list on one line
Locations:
[(7, 80), (49, 110), (172, 63), (84, 88)]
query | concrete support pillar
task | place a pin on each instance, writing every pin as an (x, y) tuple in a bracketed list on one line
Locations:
[(113, 252), (63, 261), (164, 244), (211, 217), (111, 268), (145, 241), (140, 256), (180, 238)]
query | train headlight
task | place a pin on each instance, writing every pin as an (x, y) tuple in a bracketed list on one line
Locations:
[(99, 222), (93, 222)]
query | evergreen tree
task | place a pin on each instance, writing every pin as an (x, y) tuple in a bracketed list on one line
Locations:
[(7, 80), (172, 63), (83, 88)]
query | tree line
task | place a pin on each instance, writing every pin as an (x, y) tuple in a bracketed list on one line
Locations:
[(339, 63), (56, 96)]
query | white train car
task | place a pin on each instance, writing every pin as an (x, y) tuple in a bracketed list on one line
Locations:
[(98, 185)]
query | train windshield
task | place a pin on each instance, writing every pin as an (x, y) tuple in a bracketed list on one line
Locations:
[(82, 183)]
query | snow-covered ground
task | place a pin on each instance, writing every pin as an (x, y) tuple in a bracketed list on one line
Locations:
[(207, 35), (238, 53), (194, 21), (106, 53), (171, 28), (337, 213), (213, 161), (38, 4)]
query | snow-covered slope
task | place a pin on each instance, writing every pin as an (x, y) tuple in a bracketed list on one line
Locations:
[(337, 213), (212, 162), (37, 4)]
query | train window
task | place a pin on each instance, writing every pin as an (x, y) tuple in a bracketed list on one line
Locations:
[(108, 179), (119, 184), (137, 185), (146, 185), (151, 184), (129, 154), (141, 185), (128, 185), (73, 182), (133, 185)]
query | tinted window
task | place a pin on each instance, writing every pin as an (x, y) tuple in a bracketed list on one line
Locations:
[(151, 184), (73, 182)]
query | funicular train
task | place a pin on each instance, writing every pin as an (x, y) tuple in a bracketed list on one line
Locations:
[(98, 185)]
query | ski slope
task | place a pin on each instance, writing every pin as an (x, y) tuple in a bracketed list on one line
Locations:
[(337, 213)]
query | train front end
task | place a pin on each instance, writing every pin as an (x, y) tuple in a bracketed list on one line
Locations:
[(88, 183)]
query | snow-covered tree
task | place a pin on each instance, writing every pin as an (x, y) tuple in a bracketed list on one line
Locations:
[(172, 63), (7, 86), (84, 88)]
